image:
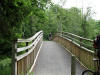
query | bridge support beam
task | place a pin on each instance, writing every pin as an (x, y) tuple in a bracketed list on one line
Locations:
[(73, 66)]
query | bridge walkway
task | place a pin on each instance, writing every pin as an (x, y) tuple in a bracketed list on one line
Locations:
[(54, 60)]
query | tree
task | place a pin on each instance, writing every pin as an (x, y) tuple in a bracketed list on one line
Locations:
[(15, 17)]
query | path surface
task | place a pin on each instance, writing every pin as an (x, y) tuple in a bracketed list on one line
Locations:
[(54, 60)]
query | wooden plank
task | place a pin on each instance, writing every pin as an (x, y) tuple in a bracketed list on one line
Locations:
[(35, 59), (19, 67)]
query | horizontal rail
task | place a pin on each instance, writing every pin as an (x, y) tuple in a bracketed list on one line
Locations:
[(78, 45), (83, 54), (24, 58), (77, 36), (27, 47), (87, 43), (30, 39), (79, 41), (23, 55)]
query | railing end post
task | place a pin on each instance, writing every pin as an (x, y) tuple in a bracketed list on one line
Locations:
[(14, 54)]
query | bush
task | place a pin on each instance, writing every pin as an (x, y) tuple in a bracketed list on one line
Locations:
[(5, 66)]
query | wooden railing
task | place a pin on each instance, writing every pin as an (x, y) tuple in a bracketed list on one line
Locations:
[(24, 58), (87, 43), (81, 47)]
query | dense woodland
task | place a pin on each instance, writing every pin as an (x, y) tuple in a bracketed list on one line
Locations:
[(23, 18)]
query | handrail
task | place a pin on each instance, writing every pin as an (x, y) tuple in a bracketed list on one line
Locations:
[(77, 46), (31, 38), (86, 49), (78, 39), (82, 38), (27, 47), (27, 55)]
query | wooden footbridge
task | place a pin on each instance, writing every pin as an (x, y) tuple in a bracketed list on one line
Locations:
[(66, 54)]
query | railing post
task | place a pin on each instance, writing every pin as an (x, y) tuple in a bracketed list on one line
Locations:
[(14, 55), (73, 67), (27, 45), (80, 46), (80, 42)]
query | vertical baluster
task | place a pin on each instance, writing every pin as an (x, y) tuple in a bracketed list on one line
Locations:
[(80, 41), (27, 45)]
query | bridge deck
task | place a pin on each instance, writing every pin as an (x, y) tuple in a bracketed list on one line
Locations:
[(54, 60)]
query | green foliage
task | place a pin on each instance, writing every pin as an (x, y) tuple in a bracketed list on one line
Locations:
[(5, 66), (74, 21), (19, 18), (23, 18)]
